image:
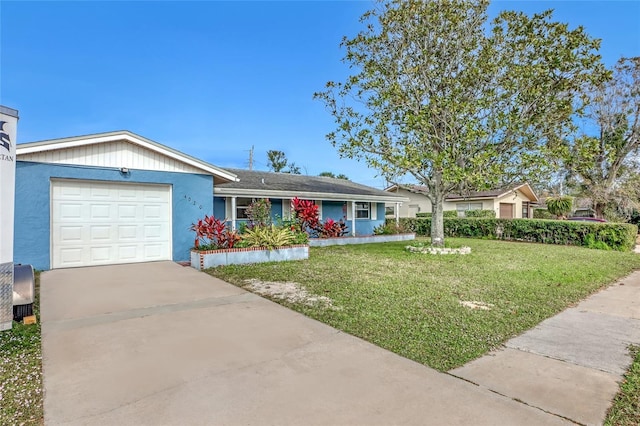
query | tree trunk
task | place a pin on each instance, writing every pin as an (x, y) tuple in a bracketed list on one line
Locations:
[(437, 221), (599, 208)]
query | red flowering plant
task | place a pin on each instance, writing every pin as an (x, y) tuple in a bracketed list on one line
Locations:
[(332, 228), (307, 215), (213, 234)]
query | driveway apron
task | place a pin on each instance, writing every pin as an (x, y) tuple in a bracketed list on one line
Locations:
[(162, 344)]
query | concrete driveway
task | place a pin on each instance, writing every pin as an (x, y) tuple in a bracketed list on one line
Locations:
[(162, 344)]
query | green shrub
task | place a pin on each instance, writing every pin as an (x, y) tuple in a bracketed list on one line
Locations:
[(542, 214), (615, 236), (389, 228), (446, 213), (480, 213)]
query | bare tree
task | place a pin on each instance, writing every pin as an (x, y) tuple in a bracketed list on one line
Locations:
[(605, 159)]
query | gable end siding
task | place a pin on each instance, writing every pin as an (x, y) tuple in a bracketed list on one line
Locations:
[(113, 154)]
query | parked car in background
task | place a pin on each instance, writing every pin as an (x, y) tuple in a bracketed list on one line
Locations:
[(587, 219)]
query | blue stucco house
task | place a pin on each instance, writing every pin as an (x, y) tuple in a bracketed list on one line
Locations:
[(108, 198), (362, 206), (118, 197)]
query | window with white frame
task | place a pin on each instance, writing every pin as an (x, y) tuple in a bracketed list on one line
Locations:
[(363, 210), (464, 207), (390, 210), (241, 207)]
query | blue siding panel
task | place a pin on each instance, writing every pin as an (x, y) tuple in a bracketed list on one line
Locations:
[(219, 208), (276, 209), (191, 195), (335, 210)]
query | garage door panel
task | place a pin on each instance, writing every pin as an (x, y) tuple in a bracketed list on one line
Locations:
[(69, 212), (100, 193), (152, 232), (151, 212), (68, 192), (153, 251), (100, 254), (101, 233), (128, 253), (68, 257), (99, 212), (127, 212), (127, 232), (71, 234), (99, 223), (154, 196), (127, 194)]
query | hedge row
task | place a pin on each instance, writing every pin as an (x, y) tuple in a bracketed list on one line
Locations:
[(468, 213), (446, 213), (616, 236), (480, 213)]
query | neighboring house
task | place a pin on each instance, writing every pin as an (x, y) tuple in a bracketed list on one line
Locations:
[(516, 201), (108, 198), (363, 207)]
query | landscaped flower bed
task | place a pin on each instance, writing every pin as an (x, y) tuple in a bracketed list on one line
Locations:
[(367, 239), (261, 241), (203, 259)]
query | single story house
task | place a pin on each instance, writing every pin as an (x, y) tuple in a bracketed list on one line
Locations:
[(118, 197), (515, 201), (362, 206)]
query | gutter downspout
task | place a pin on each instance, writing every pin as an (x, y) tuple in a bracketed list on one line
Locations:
[(233, 213), (353, 218)]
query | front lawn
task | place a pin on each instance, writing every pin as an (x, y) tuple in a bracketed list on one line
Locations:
[(21, 372), (625, 410), (412, 304)]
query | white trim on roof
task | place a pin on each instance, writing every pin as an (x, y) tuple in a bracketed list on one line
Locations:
[(102, 138), (531, 194), (265, 193)]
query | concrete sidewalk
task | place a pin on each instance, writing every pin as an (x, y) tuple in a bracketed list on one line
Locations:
[(571, 364), (161, 344)]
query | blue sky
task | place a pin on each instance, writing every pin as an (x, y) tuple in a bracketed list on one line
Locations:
[(209, 78)]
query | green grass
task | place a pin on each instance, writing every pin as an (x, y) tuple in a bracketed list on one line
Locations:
[(410, 303), (21, 372), (625, 410)]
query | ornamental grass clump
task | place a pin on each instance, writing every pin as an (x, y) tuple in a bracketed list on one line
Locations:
[(269, 237)]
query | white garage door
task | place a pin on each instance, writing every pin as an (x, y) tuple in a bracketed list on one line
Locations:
[(102, 223)]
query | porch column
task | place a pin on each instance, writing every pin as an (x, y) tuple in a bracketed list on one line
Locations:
[(397, 213), (233, 213), (353, 218)]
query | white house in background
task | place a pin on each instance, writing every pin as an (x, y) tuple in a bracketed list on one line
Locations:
[(515, 201)]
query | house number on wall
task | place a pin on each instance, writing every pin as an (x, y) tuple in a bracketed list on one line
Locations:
[(191, 201)]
